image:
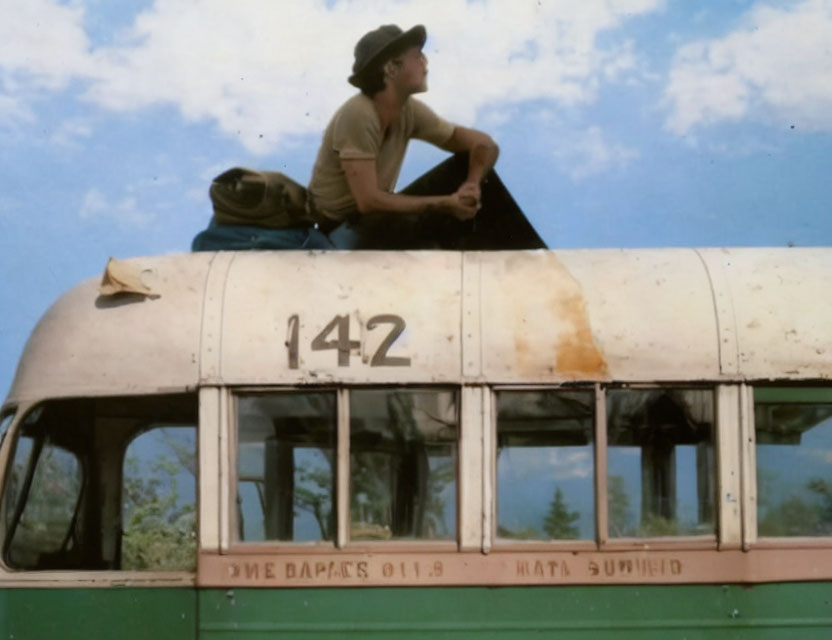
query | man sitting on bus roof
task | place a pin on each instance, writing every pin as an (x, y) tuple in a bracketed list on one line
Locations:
[(363, 146)]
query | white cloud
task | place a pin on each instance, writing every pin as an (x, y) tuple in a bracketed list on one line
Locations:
[(775, 68), (570, 464), (587, 153), (823, 455), (94, 204), (13, 111), (268, 71), (559, 463), (44, 39), (70, 131), (125, 212)]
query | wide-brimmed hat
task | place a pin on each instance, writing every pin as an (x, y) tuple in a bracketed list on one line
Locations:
[(374, 45)]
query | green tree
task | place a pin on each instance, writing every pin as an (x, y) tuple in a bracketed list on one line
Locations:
[(159, 519), (559, 524)]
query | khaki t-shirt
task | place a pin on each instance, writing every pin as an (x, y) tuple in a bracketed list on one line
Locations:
[(355, 133)]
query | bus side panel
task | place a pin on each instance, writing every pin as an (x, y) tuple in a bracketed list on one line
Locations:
[(775, 611), (119, 613)]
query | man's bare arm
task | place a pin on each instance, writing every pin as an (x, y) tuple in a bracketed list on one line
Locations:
[(482, 155), (361, 177)]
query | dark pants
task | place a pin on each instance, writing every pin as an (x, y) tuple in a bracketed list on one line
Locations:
[(499, 224)]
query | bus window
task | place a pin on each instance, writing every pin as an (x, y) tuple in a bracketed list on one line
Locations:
[(545, 486), (286, 466), (403, 447), (5, 421), (42, 496), (62, 500), (159, 501), (661, 473), (793, 427)]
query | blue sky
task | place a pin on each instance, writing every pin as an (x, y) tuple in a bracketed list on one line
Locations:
[(622, 123)]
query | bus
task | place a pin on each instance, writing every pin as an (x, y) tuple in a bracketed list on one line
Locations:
[(445, 444)]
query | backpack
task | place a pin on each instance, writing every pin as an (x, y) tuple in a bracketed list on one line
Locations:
[(269, 199)]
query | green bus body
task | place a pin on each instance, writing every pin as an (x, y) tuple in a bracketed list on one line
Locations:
[(119, 613), (481, 613), (770, 611)]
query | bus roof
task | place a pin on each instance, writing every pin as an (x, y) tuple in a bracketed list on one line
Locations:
[(530, 317)]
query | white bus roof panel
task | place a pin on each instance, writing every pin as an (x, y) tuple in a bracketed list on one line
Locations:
[(89, 344), (286, 318), (373, 294)]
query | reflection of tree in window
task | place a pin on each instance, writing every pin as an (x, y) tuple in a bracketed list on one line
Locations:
[(661, 442), (794, 461), (560, 521), (545, 485), (403, 464)]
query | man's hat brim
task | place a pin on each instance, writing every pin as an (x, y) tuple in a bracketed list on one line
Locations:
[(415, 36)]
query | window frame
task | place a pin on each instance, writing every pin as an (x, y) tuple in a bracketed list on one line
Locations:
[(509, 544), (725, 463), (8, 412), (74, 578), (230, 542), (751, 537), (479, 558)]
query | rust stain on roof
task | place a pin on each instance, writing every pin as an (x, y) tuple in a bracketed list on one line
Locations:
[(577, 352), (552, 335)]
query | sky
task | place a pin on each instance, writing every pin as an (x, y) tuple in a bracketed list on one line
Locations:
[(621, 123)]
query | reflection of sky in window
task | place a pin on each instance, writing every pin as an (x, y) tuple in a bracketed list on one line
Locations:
[(625, 462), (307, 460), (527, 478), (447, 496), (687, 498), (783, 470), (251, 459), (251, 513)]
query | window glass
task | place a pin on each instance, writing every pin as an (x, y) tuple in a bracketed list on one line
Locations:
[(159, 501), (794, 461), (75, 499), (286, 466), (660, 462), (545, 480), (5, 421), (15, 477), (403, 447), (44, 485)]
